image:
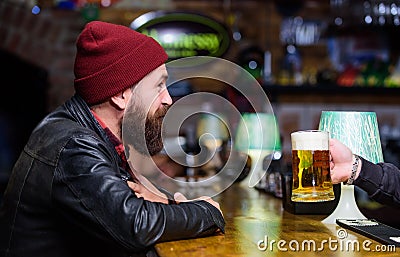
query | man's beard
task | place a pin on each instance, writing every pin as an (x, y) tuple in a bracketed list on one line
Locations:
[(152, 130)]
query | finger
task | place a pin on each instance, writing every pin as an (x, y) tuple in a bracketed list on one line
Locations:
[(332, 142), (203, 198), (179, 197), (331, 166), (131, 184), (134, 186)]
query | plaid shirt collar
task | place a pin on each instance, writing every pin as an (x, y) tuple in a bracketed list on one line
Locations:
[(119, 147)]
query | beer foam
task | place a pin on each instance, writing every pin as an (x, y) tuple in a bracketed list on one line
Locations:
[(310, 140)]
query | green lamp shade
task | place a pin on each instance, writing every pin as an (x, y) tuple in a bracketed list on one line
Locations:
[(214, 125), (357, 130), (257, 131)]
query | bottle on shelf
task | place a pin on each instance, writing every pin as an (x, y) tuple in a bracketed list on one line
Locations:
[(291, 69)]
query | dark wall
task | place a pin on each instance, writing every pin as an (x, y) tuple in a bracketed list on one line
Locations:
[(22, 105)]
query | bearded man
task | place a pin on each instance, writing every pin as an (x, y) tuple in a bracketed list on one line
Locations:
[(71, 192)]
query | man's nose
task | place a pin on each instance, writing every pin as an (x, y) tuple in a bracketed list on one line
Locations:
[(166, 97)]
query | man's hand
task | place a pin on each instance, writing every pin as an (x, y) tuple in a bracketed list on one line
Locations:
[(341, 162), (153, 195), (179, 197)]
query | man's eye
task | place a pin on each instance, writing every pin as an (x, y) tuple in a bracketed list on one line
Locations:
[(161, 86)]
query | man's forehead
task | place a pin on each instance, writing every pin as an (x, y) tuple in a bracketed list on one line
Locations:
[(159, 73), (163, 69)]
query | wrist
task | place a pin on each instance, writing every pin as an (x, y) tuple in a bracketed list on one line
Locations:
[(354, 169)]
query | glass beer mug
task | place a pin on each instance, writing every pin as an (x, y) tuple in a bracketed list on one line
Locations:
[(310, 164)]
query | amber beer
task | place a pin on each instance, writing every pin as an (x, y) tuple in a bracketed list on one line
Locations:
[(310, 165)]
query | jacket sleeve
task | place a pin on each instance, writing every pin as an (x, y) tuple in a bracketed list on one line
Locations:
[(381, 181), (89, 192)]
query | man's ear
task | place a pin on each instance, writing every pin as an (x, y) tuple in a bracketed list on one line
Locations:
[(119, 101)]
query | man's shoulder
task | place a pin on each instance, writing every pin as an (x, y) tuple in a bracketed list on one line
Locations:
[(54, 132)]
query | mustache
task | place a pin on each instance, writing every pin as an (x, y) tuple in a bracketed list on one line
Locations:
[(162, 111)]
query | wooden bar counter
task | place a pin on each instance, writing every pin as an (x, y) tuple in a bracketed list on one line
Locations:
[(257, 225)]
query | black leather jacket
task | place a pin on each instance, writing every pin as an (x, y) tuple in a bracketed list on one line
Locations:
[(381, 181), (66, 197)]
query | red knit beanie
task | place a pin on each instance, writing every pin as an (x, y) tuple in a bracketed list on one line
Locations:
[(111, 58)]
